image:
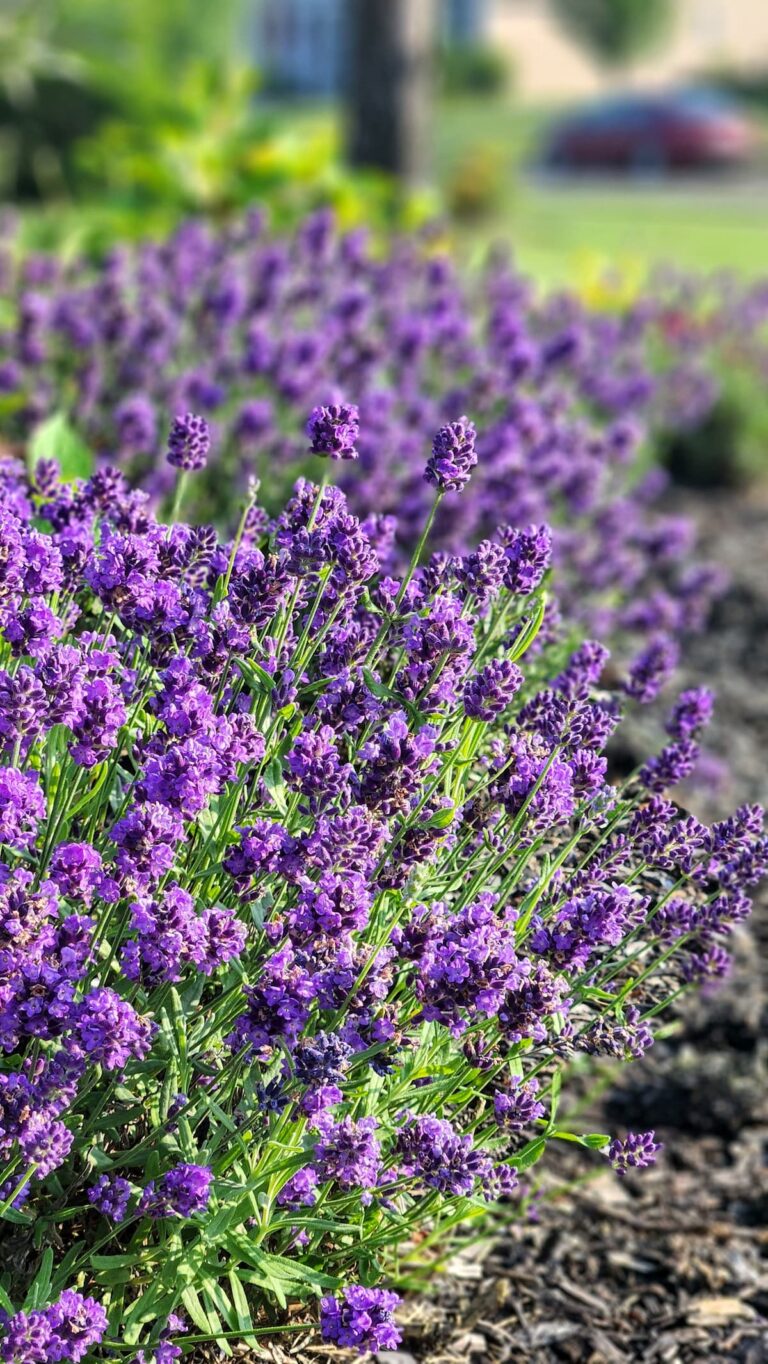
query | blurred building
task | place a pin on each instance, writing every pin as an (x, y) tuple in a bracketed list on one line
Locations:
[(548, 64), (300, 44)]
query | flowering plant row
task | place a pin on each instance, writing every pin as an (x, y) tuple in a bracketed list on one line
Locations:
[(253, 330), (314, 885)]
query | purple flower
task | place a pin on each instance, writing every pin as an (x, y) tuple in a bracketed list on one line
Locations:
[(45, 1142), (489, 692), (180, 1192), (636, 1151), (316, 768), (110, 1030), (76, 869), (453, 456), (146, 838), (66, 1330), (348, 1152), (189, 442), (96, 728), (77, 1324), (111, 1195), (361, 1319), (22, 807), (630, 1038), (672, 765), (518, 1107), (652, 669), (333, 431), (300, 1191), (691, 713), (334, 905), (433, 1152), (527, 555)]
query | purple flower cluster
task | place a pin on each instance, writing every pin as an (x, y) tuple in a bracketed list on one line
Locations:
[(636, 1151), (188, 443), (242, 333), (333, 431), (361, 1319), (180, 1192), (301, 854), (68, 1329)]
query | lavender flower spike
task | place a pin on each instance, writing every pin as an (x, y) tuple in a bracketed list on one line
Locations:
[(453, 456)]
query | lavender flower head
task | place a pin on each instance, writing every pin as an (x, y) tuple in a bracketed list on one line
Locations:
[(691, 713), (489, 692), (189, 442), (636, 1151), (361, 1319), (333, 430), (453, 456), (180, 1192), (111, 1195)]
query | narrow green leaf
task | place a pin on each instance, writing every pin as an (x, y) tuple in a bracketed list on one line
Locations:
[(529, 632), (195, 1308), (532, 1152), (40, 1288)]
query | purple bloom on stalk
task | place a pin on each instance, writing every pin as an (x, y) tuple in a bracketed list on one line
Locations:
[(189, 442), (518, 1108), (608, 1037), (489, 692), (315, 767), (110, 1030), (300, 1191), (146, 838), (22, 807), (76, 869), (180, 1192), (45, 1143), (652, 668), (26, 1337), (333, 905), (111, 1195), (691, 713), (65, 1330), (349, 1153), (453, 456), (77, 1323), (361, 1319), (672, 765), (433, 1151), (636, 1151), (333, 430), (527, 554), (22, 706)]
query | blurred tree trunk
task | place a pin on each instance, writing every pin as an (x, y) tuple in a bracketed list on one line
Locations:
[(389, 85)]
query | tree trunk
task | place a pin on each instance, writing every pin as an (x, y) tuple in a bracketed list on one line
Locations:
[(389, 84)]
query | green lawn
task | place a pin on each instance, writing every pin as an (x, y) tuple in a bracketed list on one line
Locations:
[(552, 227), (559, 232)]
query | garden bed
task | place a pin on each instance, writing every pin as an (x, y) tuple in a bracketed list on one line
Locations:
[(671, 1266)]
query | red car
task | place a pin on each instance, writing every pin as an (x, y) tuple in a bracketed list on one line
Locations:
[(686, 130)]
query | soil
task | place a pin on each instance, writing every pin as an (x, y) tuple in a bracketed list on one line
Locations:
[(670, 1267)]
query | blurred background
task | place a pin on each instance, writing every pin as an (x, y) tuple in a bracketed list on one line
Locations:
[(594, 135)]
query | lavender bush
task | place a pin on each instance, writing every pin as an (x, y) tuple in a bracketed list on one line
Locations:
[(252, 331), (314, 888)]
